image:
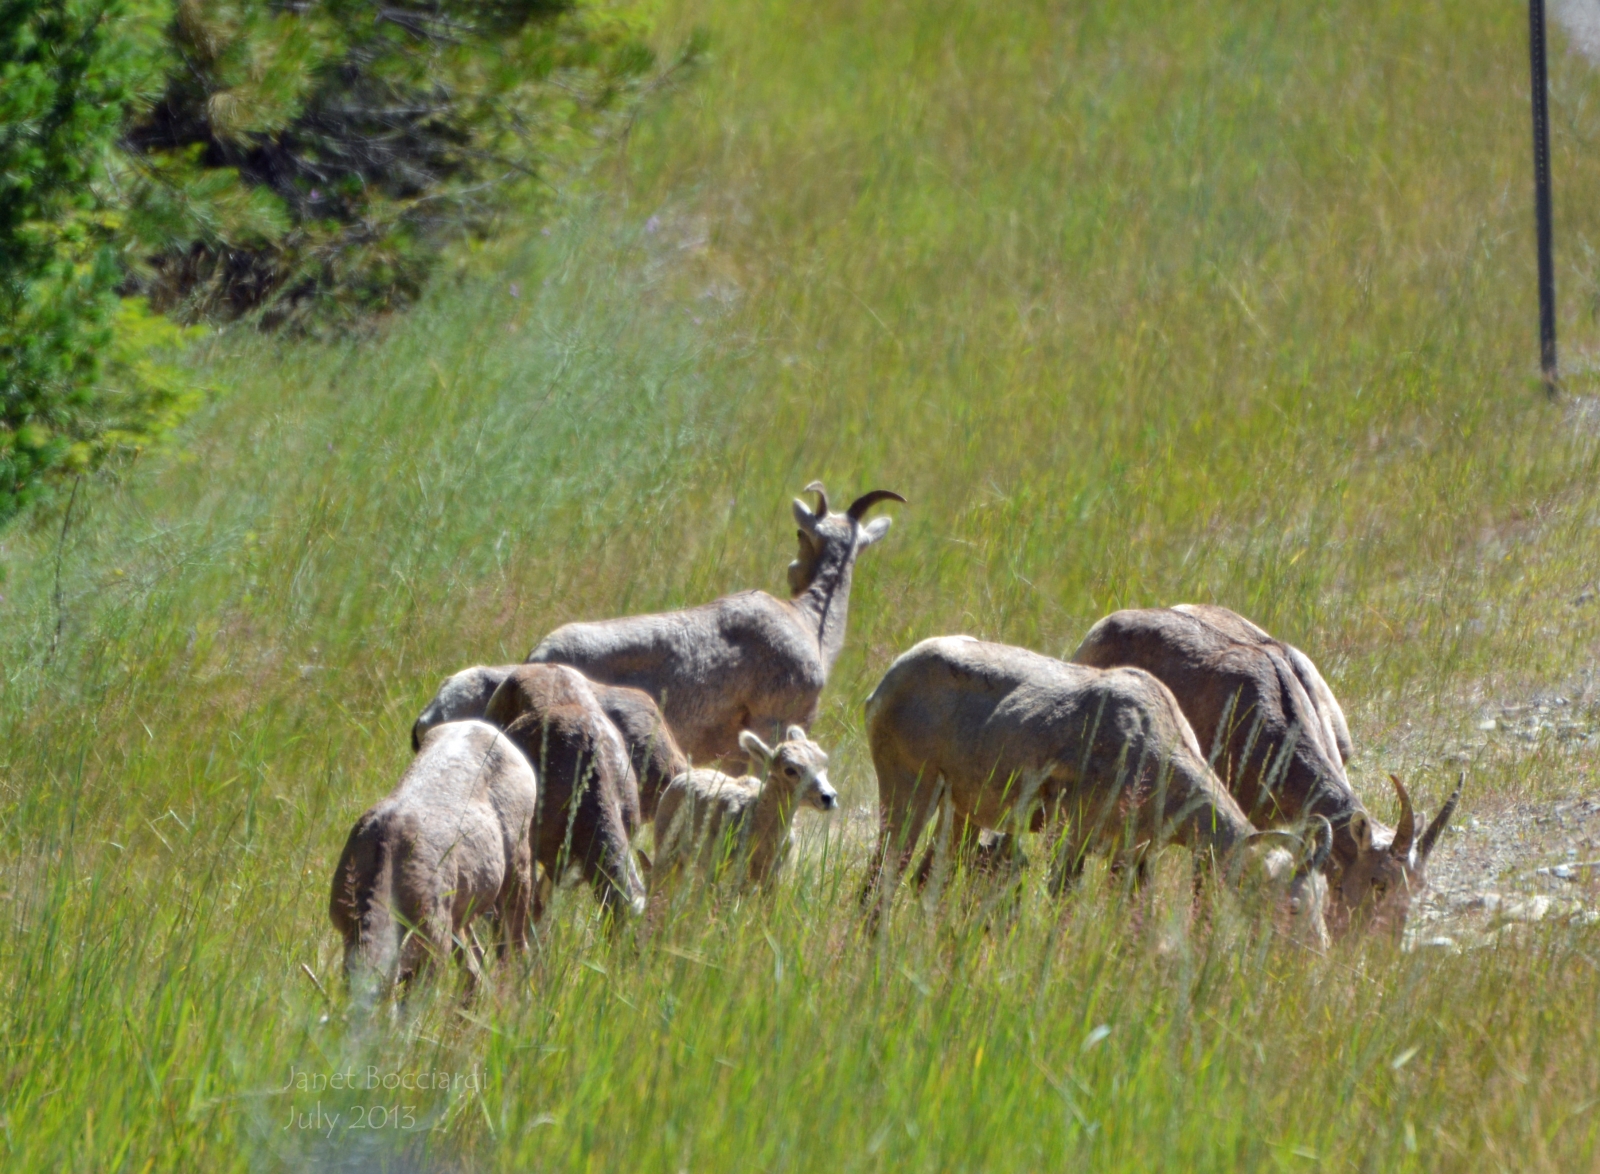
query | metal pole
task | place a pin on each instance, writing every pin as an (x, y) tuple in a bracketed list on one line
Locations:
[(1541, 193)]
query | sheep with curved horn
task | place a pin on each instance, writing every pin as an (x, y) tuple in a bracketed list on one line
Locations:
[(1376, 890), (986, 736), (748, 661), (1276, 735)]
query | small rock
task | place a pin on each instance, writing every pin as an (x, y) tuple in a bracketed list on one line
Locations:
[(1440, 943), (1533, 909), (1487, 723)]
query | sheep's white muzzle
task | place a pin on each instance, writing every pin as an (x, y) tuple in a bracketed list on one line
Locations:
[(821, 794)]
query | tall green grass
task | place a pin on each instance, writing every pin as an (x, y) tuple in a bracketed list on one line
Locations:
[(1136, 304)]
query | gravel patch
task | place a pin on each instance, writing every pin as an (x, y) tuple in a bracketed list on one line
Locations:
[(1518, 865)]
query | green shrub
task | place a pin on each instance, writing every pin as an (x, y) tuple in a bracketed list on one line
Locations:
[(303, 163)]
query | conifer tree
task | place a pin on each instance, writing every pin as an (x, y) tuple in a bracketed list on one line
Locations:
[(308, 161)]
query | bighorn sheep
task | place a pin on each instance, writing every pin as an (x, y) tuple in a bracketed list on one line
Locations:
[(745, 661), (588, 795), (710, 820), (1289, 879), (463, 695), (654, 752), (652, 749), (1376, 889), (451, 841), (1001, 737), (1279, 740)]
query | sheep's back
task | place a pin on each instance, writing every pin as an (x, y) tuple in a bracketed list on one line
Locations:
[(698, 808)]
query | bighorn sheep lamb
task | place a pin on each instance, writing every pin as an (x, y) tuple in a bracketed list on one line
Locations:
[(745, 661), (588, 795), (1279, 740), (1001, 737), (451, 841), (654, 752), (711, 820)]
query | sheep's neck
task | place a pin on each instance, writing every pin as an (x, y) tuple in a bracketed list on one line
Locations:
[(1332, 799), (769, 828), (825, 603), (1221, 829)]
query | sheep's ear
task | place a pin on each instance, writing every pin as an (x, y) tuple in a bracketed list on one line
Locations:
[(803, 515), (795, 734), (754, 747), (1361, 831), (873, 531)]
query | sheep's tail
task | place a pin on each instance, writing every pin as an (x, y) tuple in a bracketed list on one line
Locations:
[(875, 701)]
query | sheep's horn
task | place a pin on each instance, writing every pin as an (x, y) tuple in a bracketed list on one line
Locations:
[(1430, 834), (822, 497), (1320, 834), (1272, 834), (1404, 831), (867, 500)]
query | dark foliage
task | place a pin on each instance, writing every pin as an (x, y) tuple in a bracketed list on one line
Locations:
[(308, 161)]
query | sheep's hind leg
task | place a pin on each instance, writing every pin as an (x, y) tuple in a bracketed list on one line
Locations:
[(607, 864), (469, 952), (965, 849), (516, 899)]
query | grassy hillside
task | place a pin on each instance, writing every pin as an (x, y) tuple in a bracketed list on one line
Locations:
[(1136, 304)]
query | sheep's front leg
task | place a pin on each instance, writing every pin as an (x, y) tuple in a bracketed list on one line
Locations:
[(1068, 848)]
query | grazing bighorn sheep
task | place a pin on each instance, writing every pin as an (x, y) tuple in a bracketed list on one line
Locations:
[(463, 695), (1001, 737), (588, 795), (1279, 740), (654, 752), (745, 661), (451, 841), (711, 820), (1375, 891), (652, 749), (1289, 879)]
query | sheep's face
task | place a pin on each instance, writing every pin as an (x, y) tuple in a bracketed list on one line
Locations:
[(797, 764), (1375, 890), (827, 538), (804, 567)]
